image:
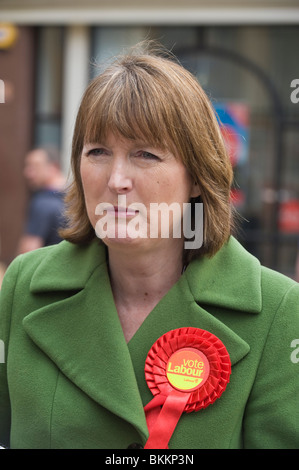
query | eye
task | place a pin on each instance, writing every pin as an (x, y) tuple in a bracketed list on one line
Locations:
[(95, 152), (147, 155)]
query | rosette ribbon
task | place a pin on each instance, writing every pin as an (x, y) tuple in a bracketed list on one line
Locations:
[(186, 369)]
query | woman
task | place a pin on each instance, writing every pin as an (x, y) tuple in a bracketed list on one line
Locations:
[(78, 319)]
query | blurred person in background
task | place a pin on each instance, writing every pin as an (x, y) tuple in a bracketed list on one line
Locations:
[(45, 213)]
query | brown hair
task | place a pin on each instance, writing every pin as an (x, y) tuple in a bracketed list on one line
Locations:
[(150, 96)]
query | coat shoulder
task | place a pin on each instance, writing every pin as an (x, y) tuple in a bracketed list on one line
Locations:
[(56, 267), (28, 262), (277, 284)]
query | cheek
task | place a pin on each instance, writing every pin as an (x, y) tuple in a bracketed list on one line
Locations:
[(177, 187), (90, 180), (86, 175), (90, 190)]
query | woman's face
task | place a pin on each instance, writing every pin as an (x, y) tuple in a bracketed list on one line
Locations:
[(134, 193)]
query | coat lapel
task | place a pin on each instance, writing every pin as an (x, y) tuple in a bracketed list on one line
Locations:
[(82, 334)]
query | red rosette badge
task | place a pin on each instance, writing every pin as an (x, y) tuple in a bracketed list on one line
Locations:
[(186, 369)]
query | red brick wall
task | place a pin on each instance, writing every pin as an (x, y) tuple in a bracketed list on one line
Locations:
[(16, 127)]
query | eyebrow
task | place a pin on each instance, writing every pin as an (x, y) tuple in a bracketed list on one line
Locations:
[(136, 143)]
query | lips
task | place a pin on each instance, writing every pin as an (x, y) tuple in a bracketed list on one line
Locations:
[(122, 211)]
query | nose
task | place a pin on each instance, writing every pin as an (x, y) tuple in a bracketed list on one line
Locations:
[(120, 179)]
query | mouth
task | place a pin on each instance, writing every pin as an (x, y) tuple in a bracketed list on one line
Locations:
[(122, 211)]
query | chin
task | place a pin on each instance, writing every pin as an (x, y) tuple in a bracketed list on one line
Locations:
[(123, 241)]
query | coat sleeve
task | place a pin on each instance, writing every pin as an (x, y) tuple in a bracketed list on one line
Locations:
[(6, 302), (272, 414)]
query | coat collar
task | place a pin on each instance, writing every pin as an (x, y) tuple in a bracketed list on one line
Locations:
[(230, 279), (82, 334), (67, 267), (213, 281)]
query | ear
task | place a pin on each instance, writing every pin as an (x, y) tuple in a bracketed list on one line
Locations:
[(195, 190)]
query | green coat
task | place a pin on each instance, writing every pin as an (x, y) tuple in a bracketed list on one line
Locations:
[(74, 382)]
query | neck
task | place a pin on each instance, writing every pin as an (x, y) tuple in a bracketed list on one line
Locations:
[(139, 280), (143, 279)]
